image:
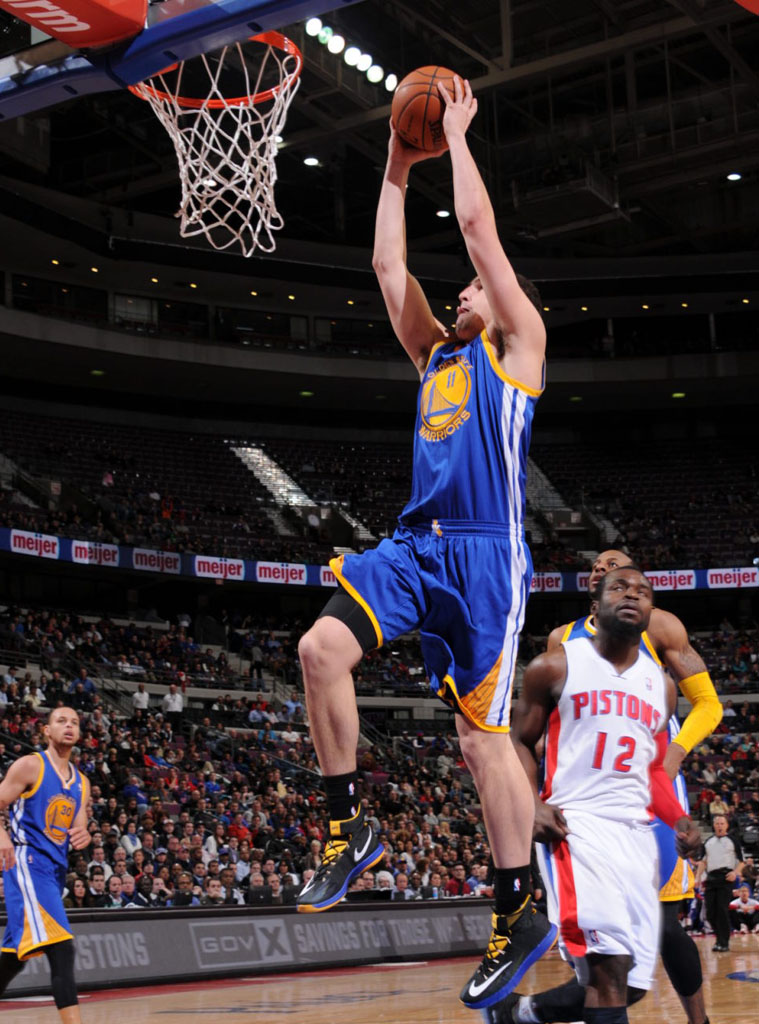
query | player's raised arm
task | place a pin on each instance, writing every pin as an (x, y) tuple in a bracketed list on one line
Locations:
[(686, 666), (515, 317), (413, 322), (21, 775)]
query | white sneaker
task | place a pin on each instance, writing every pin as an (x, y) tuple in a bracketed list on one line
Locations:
[(744, 929)]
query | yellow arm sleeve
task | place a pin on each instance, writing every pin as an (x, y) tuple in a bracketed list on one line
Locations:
[(706, 713)]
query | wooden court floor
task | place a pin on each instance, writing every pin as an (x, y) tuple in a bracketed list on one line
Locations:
[(419, 993)]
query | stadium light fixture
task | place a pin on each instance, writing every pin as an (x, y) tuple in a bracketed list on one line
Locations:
[(313, 26), (336, 44), (734, 176), (351, 56), (311, 161), (391, 82), (678, 394), (443, 213), (375, 74), (364, 62)]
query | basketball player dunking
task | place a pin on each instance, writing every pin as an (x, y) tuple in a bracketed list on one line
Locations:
[(458, 567), (603, 701), (48, 800), (664, 640)]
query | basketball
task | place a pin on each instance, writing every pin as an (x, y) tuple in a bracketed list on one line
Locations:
[(418, 107)]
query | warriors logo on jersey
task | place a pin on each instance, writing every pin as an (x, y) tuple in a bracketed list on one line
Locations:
[(445, 394), (59, 816)]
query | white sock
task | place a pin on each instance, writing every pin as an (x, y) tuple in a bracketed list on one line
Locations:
[(524, 1013)]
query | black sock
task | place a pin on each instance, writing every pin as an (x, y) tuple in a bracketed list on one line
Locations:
[(342, 796), (606, 1015), (563, 1003), (512, 887)]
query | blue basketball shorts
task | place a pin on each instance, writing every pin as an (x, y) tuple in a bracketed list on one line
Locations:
[(34, 904), (465, 589)]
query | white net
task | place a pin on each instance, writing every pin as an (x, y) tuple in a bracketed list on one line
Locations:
[(227, 147)]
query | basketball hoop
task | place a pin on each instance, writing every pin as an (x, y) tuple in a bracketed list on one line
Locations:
[(227, 148)]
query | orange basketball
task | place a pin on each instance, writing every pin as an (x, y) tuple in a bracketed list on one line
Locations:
[(418, 107)]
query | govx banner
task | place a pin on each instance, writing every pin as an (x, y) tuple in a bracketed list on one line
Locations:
[(127, 947)]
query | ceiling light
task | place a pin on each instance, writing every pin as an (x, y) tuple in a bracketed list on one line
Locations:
[(745, 301), (583, 309), (94, 270), (645, 306), (449, 307), (443, 213), (546, 309), (364, 62), (278, 139), (325, 34), (193, 285), (350, 302), (336, 44), (575, 398), (311, 161), (154, 280), (313, 26), (678, 394), (306, 394), (55, 262), (684, 305), (254, 294), (351, 56), (391, 82), (291, 298), (97, 373), (375, 74), (734, 176)]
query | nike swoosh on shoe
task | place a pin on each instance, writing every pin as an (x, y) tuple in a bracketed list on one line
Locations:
[(475, 989)]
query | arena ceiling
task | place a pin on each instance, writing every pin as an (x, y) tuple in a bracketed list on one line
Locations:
[(606, 128)]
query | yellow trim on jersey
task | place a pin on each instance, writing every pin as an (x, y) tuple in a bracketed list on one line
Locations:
[(675, 889), (336, 565), (30, 792), (650, 648), (433, 350), (567, 631), (500, 372), (449, 694)]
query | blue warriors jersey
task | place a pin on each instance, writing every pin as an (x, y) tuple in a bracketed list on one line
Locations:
[(42, 815), (40, 820), (472, 435), (675, 874)]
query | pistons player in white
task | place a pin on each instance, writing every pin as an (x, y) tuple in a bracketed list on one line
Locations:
[(600, 701)]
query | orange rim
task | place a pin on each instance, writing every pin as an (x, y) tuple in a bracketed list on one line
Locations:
[(144, 91)]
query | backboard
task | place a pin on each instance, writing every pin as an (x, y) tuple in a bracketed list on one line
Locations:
[(51, 72)]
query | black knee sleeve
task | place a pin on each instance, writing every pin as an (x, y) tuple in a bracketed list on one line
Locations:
[(679, 954), (347, 609), (10, 966), (61, 956)]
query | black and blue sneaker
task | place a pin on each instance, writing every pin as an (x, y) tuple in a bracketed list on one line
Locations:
[(352, 849), (516, 943)]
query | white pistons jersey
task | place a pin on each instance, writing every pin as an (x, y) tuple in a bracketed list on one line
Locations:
[(600, 741)]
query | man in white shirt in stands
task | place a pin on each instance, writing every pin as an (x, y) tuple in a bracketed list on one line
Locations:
[(173, 705), (140, 698)]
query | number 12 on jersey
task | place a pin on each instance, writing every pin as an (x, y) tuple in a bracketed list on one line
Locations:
[(626, 748)]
